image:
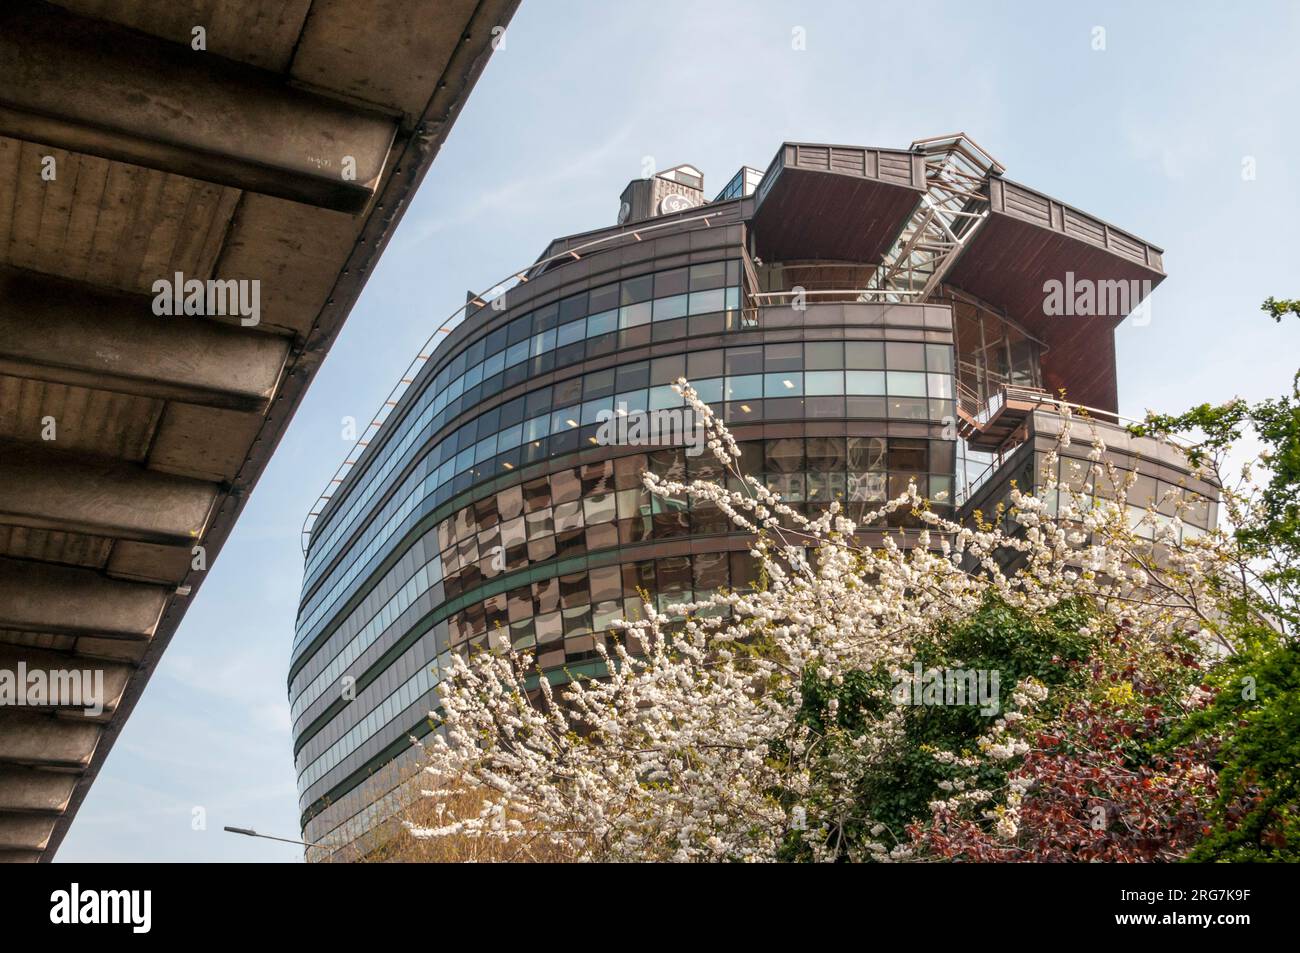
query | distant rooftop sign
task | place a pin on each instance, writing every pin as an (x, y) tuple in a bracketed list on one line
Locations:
[(686, 175), (664, 193), (675, 202)]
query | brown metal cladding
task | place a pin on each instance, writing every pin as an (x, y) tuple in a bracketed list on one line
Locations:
[(1030, 239), (836, 203)]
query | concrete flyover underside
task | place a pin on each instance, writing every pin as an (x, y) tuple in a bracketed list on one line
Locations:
[(268, 141)]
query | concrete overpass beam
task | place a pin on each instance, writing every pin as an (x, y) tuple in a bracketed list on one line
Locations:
[(70, 333), (48, 489), (20, 856), (24, 831), (91, 683), (38, 597), (94, 87), (30, 790), (38, 739)]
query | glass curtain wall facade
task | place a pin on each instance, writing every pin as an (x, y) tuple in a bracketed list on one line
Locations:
[(493, 515), (489, 513)]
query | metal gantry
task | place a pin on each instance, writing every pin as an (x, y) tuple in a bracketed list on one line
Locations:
[(955, 204)]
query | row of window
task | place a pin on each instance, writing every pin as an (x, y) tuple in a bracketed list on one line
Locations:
[(786, 455), (353, 815), (447, 405), (562, 487), (901, 369), (660, 296), (379, 591), (453, 390), (905, 380), (562, 617), (603, 504), (1144, 490), (631, 516), (425, 499), (743, 183), (425, 578), (415, 656), (413, 688)]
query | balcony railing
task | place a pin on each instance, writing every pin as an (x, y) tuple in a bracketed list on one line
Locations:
[(791, 283), (1038, 399)]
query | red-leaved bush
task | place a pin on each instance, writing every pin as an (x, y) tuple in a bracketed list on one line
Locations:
[(1090, 792)]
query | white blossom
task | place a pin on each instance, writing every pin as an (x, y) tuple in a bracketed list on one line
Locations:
[(691, 748)]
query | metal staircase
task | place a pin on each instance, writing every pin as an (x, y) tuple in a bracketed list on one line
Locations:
[(952, 209), (996, 423)]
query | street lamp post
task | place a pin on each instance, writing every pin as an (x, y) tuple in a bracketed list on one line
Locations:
[(249, 832)]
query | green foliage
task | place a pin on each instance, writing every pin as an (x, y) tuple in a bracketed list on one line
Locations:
[(1272, 534), (1278, 307), (1255, 721), (997, 638)]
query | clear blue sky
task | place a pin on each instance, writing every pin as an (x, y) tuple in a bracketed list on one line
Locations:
[(1149, 134)]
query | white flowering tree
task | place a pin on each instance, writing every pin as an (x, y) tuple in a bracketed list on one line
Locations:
[(766, 725)]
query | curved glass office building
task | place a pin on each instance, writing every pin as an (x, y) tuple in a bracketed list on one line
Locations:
[(861, 317)]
